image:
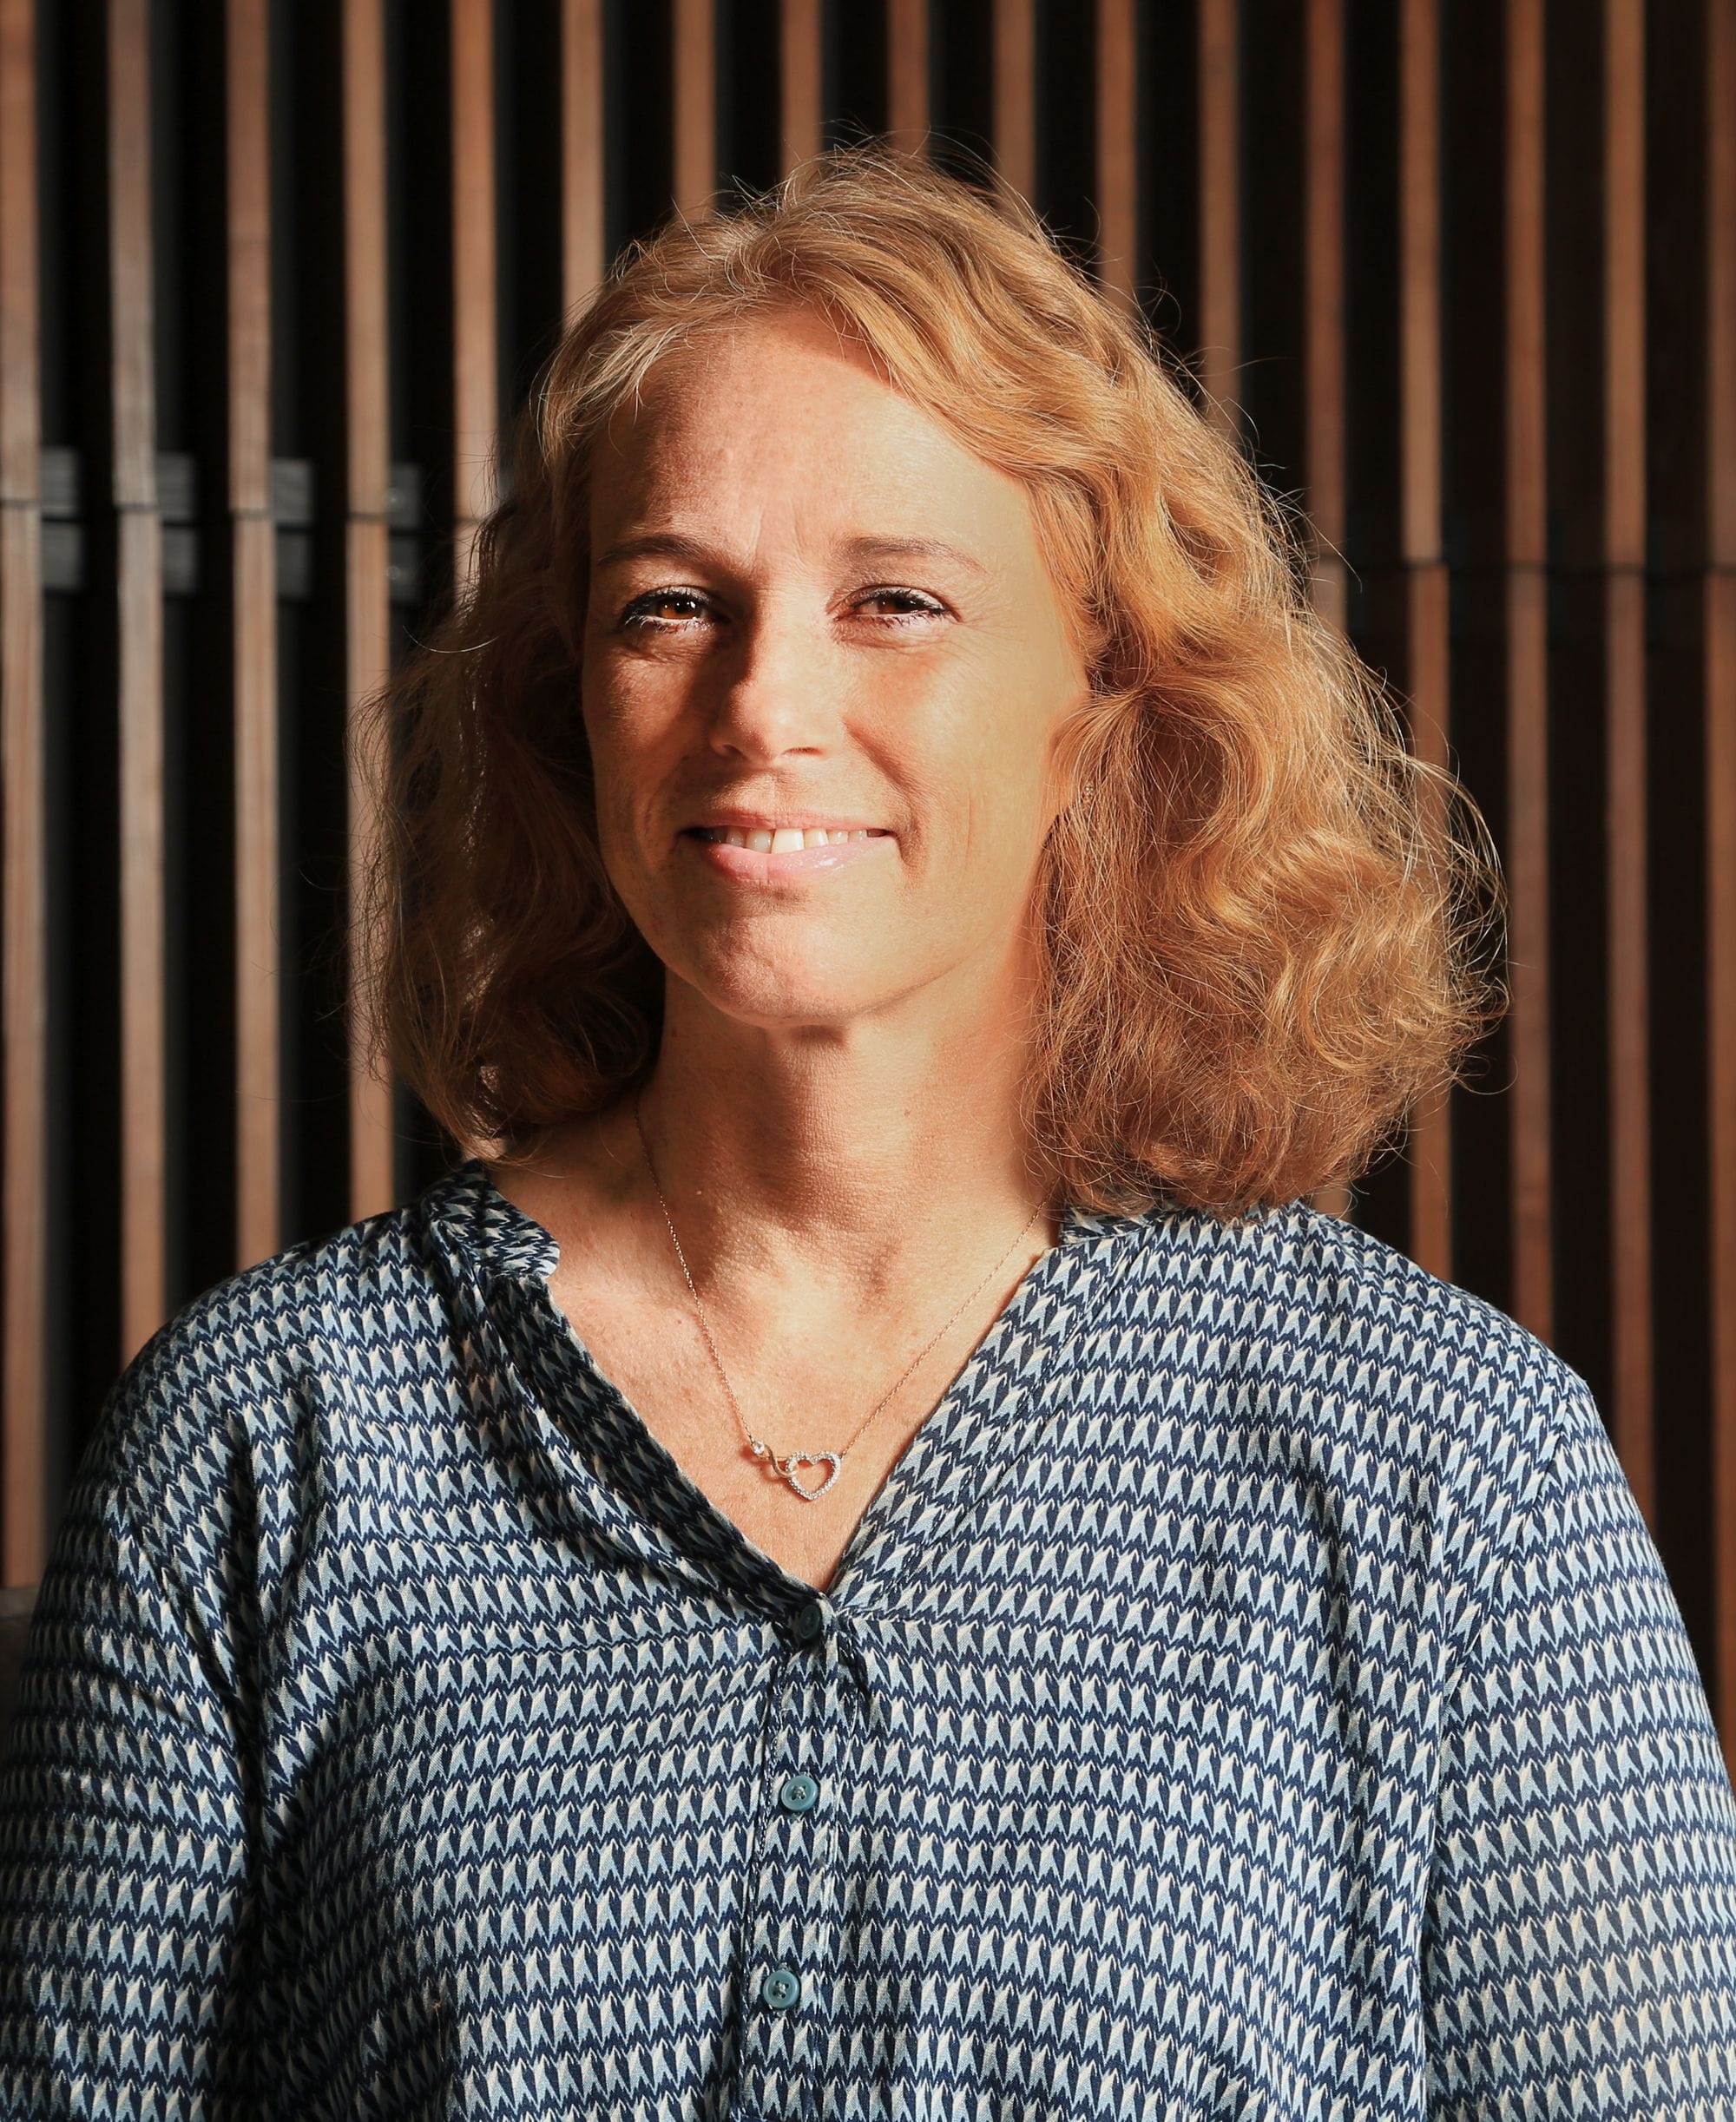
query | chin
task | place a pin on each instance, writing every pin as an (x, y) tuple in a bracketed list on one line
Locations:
[(759, 993)]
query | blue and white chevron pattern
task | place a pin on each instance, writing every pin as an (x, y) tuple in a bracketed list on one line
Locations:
[(1254, 1694)]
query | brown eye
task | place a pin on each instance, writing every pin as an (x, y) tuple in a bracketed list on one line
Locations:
[(918, 606), (643, 610)]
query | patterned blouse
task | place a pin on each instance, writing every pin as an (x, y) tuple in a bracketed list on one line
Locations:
[(1253, 1693)]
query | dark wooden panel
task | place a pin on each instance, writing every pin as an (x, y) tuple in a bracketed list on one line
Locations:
[(23, 888)]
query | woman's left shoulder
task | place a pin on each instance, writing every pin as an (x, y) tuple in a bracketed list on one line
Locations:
[(1387, 1376)]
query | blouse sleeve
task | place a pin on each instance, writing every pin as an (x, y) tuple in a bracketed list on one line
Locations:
[(123, 1842), (1580, 1946)]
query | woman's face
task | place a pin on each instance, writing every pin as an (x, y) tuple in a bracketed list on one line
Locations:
[(810, 607)]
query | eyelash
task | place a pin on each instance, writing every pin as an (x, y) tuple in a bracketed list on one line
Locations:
[(632, 614)]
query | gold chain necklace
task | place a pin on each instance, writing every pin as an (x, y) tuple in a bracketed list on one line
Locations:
[(785, 1467)]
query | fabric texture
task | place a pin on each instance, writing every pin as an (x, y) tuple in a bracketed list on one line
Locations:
[(1254, 1693)]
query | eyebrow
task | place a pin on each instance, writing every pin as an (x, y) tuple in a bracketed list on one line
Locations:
[(671, 544)]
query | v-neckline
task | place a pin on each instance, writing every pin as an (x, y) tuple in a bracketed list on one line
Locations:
[(607, 1442)]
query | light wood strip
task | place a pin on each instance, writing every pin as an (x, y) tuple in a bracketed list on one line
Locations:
[(475, 356), (1117, 151), (1323, 178), (24, 962), (696, 104), (1220, 317), (138, 592), (259, 1089), (1721, 760), (1014, 93), (1624, 553), (799, 80), (582, 237), (1527, 751), (366, 624), (1421, 533), (907, 98)]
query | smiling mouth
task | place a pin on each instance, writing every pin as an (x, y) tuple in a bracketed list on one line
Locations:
[(782, 840)]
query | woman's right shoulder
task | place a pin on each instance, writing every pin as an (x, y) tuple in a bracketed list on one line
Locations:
[(234, 1374)]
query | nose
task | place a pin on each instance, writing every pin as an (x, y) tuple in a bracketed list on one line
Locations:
[(776, 688)]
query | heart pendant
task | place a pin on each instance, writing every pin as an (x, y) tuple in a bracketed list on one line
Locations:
[(811, 1458)]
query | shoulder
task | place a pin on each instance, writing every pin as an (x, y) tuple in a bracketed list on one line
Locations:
[(1399, 1388), (203, 1451)]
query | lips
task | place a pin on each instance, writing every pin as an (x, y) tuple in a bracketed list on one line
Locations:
[(784, 838)]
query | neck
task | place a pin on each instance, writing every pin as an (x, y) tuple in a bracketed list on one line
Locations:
[(860, 1161)]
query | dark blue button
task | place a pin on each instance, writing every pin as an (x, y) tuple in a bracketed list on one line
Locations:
[(799, 1793), (811, 1622), (780, 1988)]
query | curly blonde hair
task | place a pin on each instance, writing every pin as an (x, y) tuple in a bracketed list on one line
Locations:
[(1261, 915)]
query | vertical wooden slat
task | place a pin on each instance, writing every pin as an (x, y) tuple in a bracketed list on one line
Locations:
[(475, 379), (1220, 308), (1624, 559), (1014, 93), (253, 630), (1117, 150), (695, 102), (907, 33), (799, 80), (1527, 749), (138, 592), (366, 541), (1323, 325), (1322, 178), (1421, 528), (24, 891), (582, 237), (1721, 761)]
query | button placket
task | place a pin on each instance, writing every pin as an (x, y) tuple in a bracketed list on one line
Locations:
[(790, 1937)]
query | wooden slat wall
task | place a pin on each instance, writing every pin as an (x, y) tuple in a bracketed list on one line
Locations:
[(1182, 200)]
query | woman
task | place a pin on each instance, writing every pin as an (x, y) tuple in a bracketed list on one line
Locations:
[(868, 1555)]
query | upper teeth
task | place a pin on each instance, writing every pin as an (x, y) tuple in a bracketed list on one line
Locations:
[(786, 840)]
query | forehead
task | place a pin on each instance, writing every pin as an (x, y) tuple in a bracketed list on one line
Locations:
[(780, 423)]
